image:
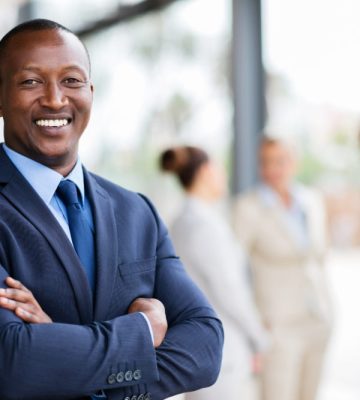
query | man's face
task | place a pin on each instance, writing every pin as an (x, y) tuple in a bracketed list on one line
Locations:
[(45, 96)]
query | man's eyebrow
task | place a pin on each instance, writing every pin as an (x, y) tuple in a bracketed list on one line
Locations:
[(33, 68), (74, 67)]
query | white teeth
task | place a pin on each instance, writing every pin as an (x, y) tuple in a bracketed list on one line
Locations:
[(52, 122)]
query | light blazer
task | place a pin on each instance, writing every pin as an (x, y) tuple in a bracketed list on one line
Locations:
[(290, 282), (95, 345), (213, 259)]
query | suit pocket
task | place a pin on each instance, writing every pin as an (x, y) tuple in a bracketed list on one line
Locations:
[(137, 267), (133, 280)]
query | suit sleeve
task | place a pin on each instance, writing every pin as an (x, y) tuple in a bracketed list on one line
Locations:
[(62, 361), (190, 356)]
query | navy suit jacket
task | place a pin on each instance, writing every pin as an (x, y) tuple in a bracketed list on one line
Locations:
[(94, 344)]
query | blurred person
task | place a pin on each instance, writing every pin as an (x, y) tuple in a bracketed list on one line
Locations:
[(282, 226), (207, 245)]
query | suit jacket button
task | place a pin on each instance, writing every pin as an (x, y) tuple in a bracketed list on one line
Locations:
[(137, 374), (120, 377), (128, 376), (141, 397), (111, 379), (147, 396)]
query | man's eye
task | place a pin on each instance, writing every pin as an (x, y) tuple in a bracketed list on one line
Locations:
[(73, 81), (30, 82)]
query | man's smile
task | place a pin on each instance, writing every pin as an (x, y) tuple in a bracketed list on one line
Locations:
[(57, 123)]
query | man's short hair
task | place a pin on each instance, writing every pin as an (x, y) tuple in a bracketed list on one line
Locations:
[(39, 24)]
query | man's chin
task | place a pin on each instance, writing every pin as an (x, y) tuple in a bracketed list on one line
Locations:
[(56, 158)]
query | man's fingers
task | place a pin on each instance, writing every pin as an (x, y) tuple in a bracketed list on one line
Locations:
[(8, 303), (16, 284), (30, 314), (26, 315), (11, 304), (16, 294), (26, 312), (18, 299)]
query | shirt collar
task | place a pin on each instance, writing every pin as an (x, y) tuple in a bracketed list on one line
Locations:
[(43, 179), (271, 198), (268, 195)]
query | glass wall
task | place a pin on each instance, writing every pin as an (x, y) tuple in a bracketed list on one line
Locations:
[(312, 62), (160, 80)]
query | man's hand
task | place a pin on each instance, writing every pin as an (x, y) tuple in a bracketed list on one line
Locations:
[(155, 312), (21, 301)]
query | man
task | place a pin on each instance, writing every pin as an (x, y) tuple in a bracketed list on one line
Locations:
[(100, 305), (282, 225)]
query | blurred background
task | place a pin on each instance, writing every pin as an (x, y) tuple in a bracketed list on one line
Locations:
[(217, 73)]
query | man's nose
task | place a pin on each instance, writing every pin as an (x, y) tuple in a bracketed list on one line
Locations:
[(53, 96)]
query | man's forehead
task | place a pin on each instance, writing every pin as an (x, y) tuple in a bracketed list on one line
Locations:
[(41, 38), (27, 45)]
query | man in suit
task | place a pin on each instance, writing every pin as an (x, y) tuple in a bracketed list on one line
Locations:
[(94, 302), (282, 226)]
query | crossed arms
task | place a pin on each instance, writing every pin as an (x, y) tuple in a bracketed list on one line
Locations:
[(43, 359), (19, 299)]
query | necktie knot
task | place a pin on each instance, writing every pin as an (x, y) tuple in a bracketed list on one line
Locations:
[(68, 193)]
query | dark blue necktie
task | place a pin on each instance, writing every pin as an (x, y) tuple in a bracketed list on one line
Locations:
[(81, 233)]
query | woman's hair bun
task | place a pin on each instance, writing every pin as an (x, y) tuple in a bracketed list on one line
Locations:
[(184, 162), (174, 159)]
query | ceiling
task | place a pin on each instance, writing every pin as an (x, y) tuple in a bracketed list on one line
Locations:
[(95, 14)]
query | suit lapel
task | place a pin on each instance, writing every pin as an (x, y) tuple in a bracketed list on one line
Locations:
[(22, 196), (106, 245)]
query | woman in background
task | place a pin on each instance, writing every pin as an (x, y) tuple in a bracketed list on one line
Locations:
[(207, 247)]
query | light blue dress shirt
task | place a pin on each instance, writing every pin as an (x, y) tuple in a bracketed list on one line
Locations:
[(294, 216)]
